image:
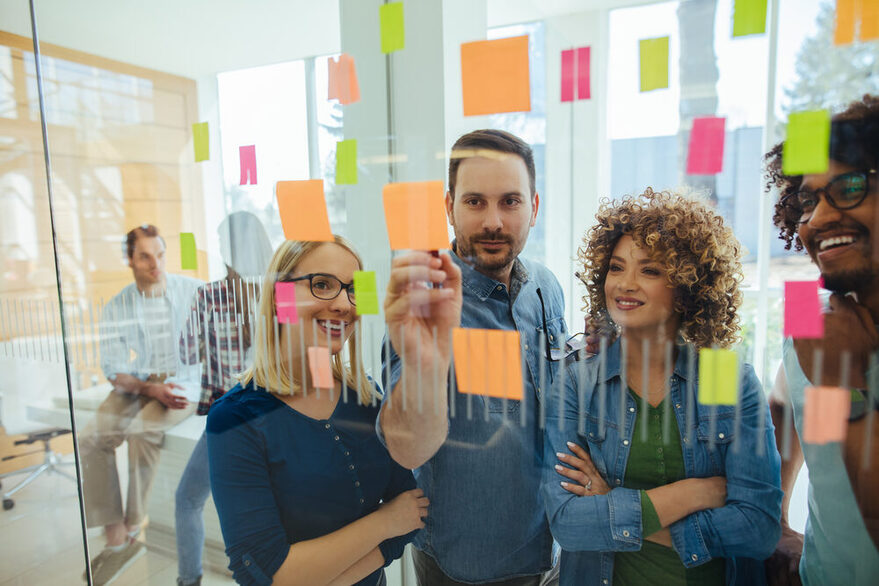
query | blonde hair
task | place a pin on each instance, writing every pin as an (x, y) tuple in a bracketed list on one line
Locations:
[(266, 372)]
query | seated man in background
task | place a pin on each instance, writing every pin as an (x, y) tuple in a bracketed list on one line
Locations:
[(140, 329), (834, 216)]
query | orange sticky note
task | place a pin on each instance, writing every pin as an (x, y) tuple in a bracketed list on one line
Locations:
[(415, 214), (869, 20), (343, 85), (303, 210), (844, 30), (488, 362), (319, 366), (825, 414), (495, 76)]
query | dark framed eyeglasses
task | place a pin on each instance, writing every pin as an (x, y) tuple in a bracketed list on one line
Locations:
[(843, 192), (323, 286)]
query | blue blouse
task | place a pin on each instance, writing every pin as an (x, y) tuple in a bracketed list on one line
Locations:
[(279, 477)]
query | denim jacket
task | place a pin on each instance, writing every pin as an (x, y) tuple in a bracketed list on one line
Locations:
[(738, 443), (487, 520)]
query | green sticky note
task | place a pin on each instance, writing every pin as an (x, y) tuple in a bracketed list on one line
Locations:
[(807, 146), (200, 141), (654, 63), (391, 21), (749, 18), (718, 377), (188, 258), (365, 293), (346, 162)]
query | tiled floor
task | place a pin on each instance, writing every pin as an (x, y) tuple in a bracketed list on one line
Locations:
[(41, 542)]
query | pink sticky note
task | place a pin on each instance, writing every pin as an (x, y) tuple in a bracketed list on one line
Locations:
[(285, 303), (706, 146), (319, 366), (584, 90), (248, 164), (568, 75), (802, 310), (825, 414)]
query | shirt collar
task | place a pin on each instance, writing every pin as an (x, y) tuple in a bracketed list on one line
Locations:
[(481, 285)]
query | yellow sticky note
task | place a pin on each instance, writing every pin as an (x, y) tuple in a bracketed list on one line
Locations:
[(415, 215), (807, 146), (654, 63), (844, 29), (488, 362), (188, 257), (201, 141), (392, 29), (303, 210), (366, 293), (495, 76), (749, 17), (718, 377), (346, 162)]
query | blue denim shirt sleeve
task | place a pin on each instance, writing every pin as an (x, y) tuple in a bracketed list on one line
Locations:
[(256, 542), (609, 522), (749, 524), (401, 481)]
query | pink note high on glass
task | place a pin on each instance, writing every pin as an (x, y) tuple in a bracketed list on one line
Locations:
[(584, 90), (705, 156), (285, 303), (802, 310), (248, 164), (568, 75)]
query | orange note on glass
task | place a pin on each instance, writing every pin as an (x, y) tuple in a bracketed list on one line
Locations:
[(319, 366), (303, 210), (415, 214), (825, 414), (495, 76), (488, 362), (342, 78)]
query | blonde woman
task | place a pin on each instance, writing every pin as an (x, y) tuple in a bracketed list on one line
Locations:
[(305, 492)]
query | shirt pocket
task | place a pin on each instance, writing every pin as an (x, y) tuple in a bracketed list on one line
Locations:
[(555, 337), (715, 438), (594, 441), (496, 405)]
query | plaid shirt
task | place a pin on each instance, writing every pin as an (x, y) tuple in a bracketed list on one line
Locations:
[(214, 336)]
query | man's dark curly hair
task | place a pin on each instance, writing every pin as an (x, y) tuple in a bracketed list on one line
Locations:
[(854, 140)]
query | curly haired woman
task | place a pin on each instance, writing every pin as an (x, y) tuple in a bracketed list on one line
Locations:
[(648, 485)]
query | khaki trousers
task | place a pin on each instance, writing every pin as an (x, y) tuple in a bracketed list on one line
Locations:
[(142, 422)]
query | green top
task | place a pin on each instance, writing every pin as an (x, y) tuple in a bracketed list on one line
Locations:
[(653, 463)]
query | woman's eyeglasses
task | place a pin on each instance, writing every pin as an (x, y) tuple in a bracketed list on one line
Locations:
[(324, 286), (843, 192)]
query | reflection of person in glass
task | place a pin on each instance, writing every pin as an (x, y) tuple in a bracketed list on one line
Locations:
[(140, 329), (219, 335), (305, 492), (835, 216), (643, 483)]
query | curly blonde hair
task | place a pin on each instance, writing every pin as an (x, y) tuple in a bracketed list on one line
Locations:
[(700, 254)]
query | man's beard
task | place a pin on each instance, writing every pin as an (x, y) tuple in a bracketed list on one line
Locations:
[(466, 250), (846, 281)]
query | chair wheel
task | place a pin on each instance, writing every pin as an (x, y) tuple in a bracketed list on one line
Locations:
[(8, 504)]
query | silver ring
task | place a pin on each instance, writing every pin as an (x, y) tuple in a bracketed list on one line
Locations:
[(588, 485)]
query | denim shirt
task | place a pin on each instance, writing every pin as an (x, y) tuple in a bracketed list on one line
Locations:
[(486, 520), (837, 548), (716, 441)]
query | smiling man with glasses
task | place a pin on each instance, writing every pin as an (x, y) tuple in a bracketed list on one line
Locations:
[(834, 216)]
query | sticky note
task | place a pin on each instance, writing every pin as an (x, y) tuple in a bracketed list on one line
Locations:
[(285, 303), (718, 376), (807, 146), (415, 214), (584, 87), (705, 155), (802, 310), (247, 154), (342, 76), (568, 75), (201, 141), (346, 162), (749, 18), (303, 210), (844, 29), (654, 63), (391, 24), (825, 414), (869, 20), (319, 366), (366, 293), (188, 258), (488, 362), (495, 76)]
